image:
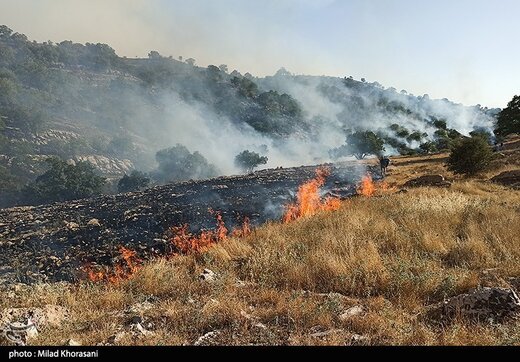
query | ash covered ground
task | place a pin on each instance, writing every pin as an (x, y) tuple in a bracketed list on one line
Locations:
[(52, 243)]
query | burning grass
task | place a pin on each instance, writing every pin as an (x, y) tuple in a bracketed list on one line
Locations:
[(309, 202), (393, 255), (127, 265), (289, 283), (308, 199)]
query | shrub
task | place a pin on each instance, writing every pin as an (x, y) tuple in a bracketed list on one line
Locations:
[(134, 182), (470, 156), (63, 182)]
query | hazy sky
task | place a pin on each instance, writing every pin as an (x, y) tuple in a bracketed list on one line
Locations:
[(465, 50)]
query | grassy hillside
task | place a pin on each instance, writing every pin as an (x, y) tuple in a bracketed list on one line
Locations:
[(392, 254)]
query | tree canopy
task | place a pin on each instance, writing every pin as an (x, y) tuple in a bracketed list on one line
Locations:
[(508, 120), (64, 182), (249, 160), (360, 144), (179, 164)]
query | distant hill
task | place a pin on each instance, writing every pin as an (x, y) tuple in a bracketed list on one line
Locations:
[(84, 102)]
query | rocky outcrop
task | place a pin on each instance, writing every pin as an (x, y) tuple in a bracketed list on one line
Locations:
[(53, 135), (53, 242), (428, 180), (107, 166), (508, 178), (485, 304)]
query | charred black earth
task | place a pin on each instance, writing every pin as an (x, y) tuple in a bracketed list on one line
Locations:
[(51, 243)]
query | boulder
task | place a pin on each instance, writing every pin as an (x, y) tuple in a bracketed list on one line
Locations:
[(508, 178), (484, 304), (72, 226), (428, 180)]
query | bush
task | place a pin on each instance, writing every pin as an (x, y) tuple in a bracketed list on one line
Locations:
[(64, 182), (179, 164), (470, 156), (428, 147), (134, 182)]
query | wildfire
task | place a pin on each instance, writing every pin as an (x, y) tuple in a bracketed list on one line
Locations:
[(244, 230), (128, 265), (309, 201), (185, 242), (367, 187)]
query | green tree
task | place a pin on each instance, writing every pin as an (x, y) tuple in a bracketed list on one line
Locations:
[(223, 68), (134, 182), (415, 136), (470, 156), (508, 120), (154, 55), (440, 124), (63, 182), (179, 164), (249, 160), (245, 87), (482, 133), (360, 144), (428, 147)]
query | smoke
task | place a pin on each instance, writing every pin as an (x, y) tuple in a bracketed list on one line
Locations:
[(198, 127), (329, 108)]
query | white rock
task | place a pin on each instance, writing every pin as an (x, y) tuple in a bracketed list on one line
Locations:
[(94, 222), (208, 275), (73, 342), (207, 338), (352, 312)]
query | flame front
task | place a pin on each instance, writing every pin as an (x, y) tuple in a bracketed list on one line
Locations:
[(309, 201), (185, 242), (128, 266), (244, 230), (367, 187)]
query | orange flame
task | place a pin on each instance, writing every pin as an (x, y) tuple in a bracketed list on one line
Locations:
[(128, 266), (244, 230), (185, 242), (366, 187), (308, 200)]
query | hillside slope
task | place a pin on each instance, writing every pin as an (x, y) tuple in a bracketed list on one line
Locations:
[(53, 242), (84, 102), (368, 273)]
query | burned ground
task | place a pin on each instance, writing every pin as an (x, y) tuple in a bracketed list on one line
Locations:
[(53, 242)]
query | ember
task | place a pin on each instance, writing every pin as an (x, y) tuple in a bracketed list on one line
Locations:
[(309, 201)]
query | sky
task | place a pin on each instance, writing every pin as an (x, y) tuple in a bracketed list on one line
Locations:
[(464, 50)]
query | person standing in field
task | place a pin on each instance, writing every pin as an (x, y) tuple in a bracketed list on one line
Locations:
[(384, 162)]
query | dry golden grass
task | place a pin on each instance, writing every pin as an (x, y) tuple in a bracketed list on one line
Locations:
[(393, 254)]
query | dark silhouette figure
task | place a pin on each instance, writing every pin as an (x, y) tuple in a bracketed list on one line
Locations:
[(384, 162)]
